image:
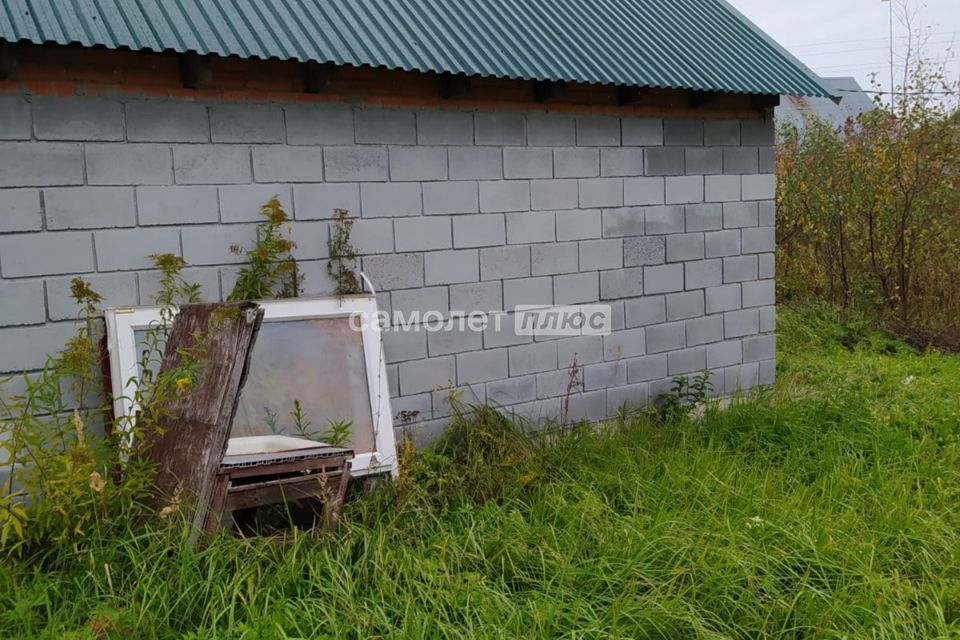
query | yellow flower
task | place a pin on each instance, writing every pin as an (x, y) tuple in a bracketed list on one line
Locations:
[(97, 483), (183, 384)]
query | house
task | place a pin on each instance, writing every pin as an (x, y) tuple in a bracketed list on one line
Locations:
[(494, 154), (854, 101)]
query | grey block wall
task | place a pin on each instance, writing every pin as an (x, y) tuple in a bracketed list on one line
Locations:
[(668, 220)]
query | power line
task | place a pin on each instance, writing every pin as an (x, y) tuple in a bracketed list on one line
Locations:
[(899, 93), (830, 53), (881, 39)]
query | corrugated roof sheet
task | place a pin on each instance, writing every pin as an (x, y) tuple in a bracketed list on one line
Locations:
[(687, 44), (797, 109)]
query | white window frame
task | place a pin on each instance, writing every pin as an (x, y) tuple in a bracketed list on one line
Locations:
[(123, 322)]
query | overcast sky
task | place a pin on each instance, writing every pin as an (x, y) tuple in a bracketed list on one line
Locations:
[(851, 37)]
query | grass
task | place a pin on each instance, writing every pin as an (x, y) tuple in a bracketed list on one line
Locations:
[(825, 508)]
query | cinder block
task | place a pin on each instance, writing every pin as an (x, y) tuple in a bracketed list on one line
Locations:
[(724, 354), (644, 251), (664, 161), (393, 382), (768, 267), (623, 222), (663, 279), (644, 191), (26, 348), (89, 207), (63, 252), (408, 302), (20, 210), (589, 406), (456, 338), (527, 291), (703, 274), (686, 361), (768, 214), (497, 263), (167, 121), (554, 384), (450, 197), (663, 220), (580, 224), (621, 161), (209, 164), (422, 376), (642, 132), (476, 296), (768, 162), (502, 393), (704, 330), (740, 323), (768, 319), (553, 194), (533, 358), (760, 132), (475, 163), (501, 332), (576, 288), (130, 164), (627, 398), (647, 368), (688, 304), (246, 123), (399, 271), (721, 132), (77, 118), (722, 243), (117, 289), (740, 160), (739, 269), (318, 201), (554, 258), (759, 240), (319, 124), (500, 196), (759, 187), (128, 249), (23, 303), (209, 245), (423, 234), (450, 267), (177, 205), (598, 131), (530, 226), (704, 217), (684, 246), (551, 130), (626, 343), (26, 164), (767, 372), (684, 189), (242, 203), (621, 283), (703, 161), (683, 132), (479, 231), (411, 410), (418, 163), (499, 128), (352, 164), (281, 163), (723, 298), (757, 348), (576, 163), (207, 277), (605, 375), (642, 312), (481, 366), (583, 349), (596, 255), (759, 293), (722, 188), (666, 337), (390, 200), (14, 118), (377, 125), (372, 236), (741, 377), (601, 192), (527, 162), (444, 127)]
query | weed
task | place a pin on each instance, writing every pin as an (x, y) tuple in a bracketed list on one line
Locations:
[(342, 265), (271, 270)]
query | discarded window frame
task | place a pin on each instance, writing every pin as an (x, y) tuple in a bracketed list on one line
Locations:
[(324, 353)]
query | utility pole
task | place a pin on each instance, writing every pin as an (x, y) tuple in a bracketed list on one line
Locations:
[(893, 95)]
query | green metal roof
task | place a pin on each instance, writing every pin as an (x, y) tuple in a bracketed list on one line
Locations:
[(686, 44)]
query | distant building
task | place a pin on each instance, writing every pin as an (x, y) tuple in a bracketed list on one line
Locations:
[(798, 109)]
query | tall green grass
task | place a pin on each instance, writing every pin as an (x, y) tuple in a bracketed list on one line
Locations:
[(825, 508)]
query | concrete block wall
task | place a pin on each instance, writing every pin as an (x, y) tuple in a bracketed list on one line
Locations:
[(668, 220)]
